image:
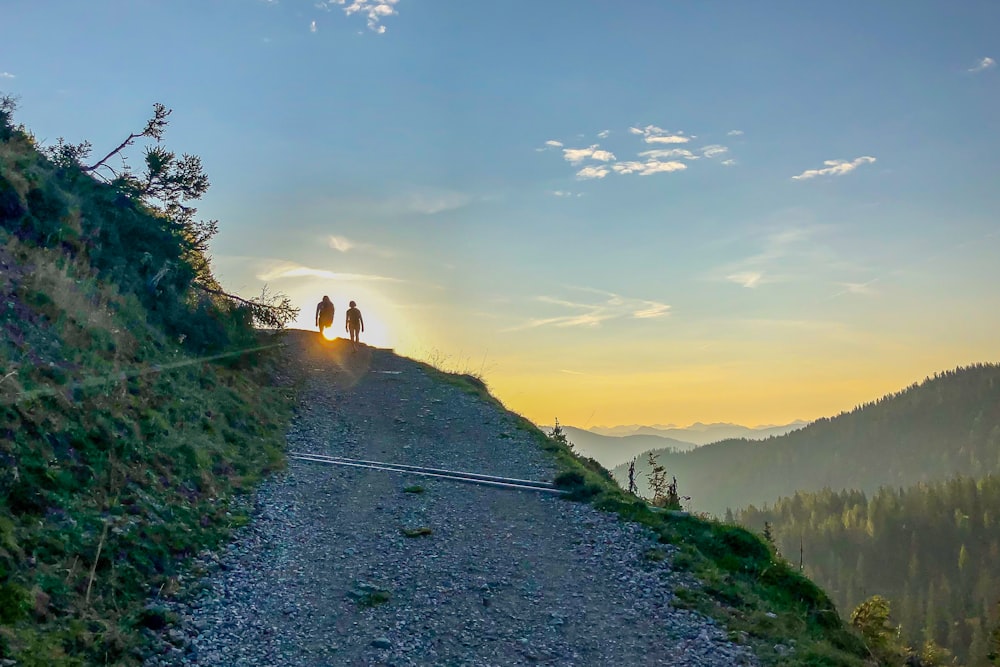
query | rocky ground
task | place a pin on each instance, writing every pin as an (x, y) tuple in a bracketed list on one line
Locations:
[(325, 573)]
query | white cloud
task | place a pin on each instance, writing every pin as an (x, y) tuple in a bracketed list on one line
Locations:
[(660, 153), (728, 163), (648, 167), (668, 139), (749, 279), (565, 193), (603, 134), (835, 168), (657, 135), (735, 133), (375, 10), (651, 309), (984, 64), (340, 243), (6, 75), (713, 151), (578, 155), (553, 143), (609, 306), (344, 244), (312, 27), (288, 270), (599, 171)]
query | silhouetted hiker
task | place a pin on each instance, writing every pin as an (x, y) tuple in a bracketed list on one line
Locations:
[(324, 314), (354, 323)]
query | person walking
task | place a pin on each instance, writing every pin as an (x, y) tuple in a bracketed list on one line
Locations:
[(354, 324), (324, 314)]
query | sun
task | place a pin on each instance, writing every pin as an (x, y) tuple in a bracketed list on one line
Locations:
[(329, 334)]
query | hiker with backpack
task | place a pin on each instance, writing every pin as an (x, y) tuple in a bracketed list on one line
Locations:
[(324, 314)]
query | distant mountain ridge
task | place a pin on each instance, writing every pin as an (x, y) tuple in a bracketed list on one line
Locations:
[(699, 433), (610, 451), (945, 426)]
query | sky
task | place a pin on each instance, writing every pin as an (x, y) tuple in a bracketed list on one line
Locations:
[(654, 212)]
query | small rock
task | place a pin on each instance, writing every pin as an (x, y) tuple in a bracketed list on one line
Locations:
[(382, 642)]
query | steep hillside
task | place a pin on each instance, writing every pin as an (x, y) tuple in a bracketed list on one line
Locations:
[(132, 405), (931, 550), (948, 425)]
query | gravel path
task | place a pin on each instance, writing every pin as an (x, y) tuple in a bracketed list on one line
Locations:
[(324, 574)]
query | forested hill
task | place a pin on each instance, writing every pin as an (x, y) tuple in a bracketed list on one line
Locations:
[(931, 550), (945, 426), (132, 402)]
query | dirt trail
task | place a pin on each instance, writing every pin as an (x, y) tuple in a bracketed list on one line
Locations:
[(324, 574)]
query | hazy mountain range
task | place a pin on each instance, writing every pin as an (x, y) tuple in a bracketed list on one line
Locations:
[(611, 446), (701, 434)]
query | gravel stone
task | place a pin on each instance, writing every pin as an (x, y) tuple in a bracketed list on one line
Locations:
[(323, 575)]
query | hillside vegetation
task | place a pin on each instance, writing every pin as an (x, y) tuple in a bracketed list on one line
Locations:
[(931, 550), (945, 426), (132, 405)]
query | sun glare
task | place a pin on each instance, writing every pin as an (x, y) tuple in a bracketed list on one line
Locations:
[(329, 334)]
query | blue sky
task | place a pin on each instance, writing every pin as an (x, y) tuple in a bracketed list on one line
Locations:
[(652, 212)]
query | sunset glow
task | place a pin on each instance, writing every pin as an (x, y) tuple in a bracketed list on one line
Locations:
[(767, 227)]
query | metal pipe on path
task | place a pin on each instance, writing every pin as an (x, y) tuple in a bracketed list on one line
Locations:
[(443, 471), (456, 476)]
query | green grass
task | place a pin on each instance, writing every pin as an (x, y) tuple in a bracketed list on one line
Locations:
[(422, 531), (745, 585), (121, 448), (416, 488)]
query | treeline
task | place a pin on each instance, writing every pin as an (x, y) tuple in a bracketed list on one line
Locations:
[(932, 550), (947, 425)]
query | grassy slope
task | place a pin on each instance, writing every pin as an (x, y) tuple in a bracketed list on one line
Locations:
[(120, 448), (751, 590)]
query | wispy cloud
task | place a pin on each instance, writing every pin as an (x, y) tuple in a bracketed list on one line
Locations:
[(282, 271), (565, 193), (799, 252), (864, 289), (984, 64), (430, 202), (661, 153), (345, 245), (312, 27), (735, 133), (713, 151), (553, 143), (340, 243), (593, 152), (748, 279), (6, 75), (609, 306), (376, 11), (647, 168), (728, 163), (835, 168), (603, 134), (652, 134)]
